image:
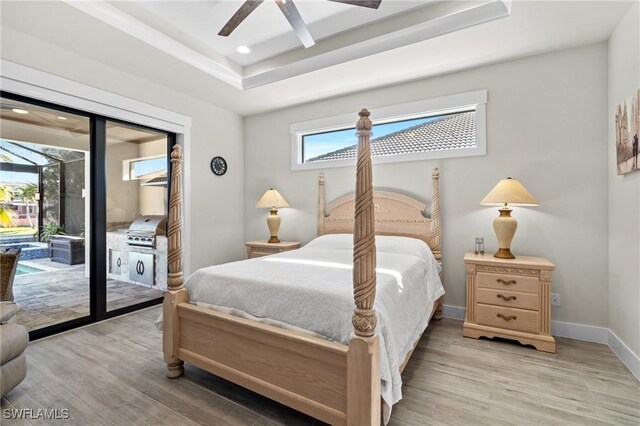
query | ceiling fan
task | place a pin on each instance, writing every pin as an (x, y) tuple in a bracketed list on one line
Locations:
[(290, 11)]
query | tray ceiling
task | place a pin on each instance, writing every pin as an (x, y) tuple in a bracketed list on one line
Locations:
[(265, 31), (188, 31)]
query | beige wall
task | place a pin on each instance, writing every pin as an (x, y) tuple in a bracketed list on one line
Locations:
[(545, 125), (127, 198), (153, 199), (216, 205), (122, 195), (624, 191)]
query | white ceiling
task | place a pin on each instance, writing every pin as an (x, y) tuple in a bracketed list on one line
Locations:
[(185, 30), (533, 27), (265, 30)]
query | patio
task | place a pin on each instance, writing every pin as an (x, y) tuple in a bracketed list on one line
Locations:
[(59, 292)]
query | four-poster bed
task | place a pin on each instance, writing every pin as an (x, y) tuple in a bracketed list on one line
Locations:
[(331, 381)]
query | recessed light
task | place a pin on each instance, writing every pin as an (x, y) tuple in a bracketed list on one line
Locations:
[(243, 49), (20, 111), (62, 118)]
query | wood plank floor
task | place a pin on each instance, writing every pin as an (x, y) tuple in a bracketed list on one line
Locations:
[(112, 373), (61, 293)]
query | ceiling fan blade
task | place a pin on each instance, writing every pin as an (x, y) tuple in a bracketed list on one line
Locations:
[(290, 12), (244, 11), (371, 4)]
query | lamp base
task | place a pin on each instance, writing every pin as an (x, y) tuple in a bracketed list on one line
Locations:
[(505, 227), (273, 221), (504, 253)]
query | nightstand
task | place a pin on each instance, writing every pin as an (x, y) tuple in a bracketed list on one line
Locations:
[(263, 248), (509, 298)]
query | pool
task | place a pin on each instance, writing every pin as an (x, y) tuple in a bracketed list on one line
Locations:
[(30, 250), (24, 269)]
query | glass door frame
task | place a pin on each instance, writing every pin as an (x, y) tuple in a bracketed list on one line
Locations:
[(98, 215)]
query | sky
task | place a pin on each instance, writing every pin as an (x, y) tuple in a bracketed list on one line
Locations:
[(15, 177), (323, 143), (12, 177), (151, 165)]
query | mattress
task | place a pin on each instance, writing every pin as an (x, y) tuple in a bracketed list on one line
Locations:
[(312, 289)]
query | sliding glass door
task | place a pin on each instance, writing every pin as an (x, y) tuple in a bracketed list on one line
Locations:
[(44, 179), (73, 187), (137, 204)]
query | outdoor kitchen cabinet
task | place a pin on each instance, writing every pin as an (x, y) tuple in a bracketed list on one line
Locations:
[(66, 249)]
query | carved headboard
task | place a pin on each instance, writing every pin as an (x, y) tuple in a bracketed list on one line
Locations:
[(396, 214)]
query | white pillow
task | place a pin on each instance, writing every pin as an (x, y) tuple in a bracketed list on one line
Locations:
[(332, 241), (384, 244)]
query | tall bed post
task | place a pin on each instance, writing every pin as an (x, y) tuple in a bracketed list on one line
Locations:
[(176, 292), (435, 236), (321, 205), (435, 215), (363, 359)]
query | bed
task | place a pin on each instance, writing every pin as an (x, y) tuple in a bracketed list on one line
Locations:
[(323, 345)]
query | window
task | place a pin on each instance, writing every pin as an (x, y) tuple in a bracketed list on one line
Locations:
[(145, 168), (453, 126)]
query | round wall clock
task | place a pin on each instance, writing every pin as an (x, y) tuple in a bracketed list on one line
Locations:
[(219, 166)]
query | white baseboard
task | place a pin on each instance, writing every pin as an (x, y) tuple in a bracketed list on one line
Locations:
[(626, 355), (587, 333), (453, 312)]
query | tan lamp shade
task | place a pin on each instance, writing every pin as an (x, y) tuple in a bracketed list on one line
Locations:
[(509, 191), (271, 199)]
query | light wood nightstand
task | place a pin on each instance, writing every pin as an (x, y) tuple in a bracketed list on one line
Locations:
[(510, 298), (263, 248)]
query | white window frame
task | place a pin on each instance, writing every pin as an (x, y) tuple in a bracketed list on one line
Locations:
[(126, 165), (476, 100)]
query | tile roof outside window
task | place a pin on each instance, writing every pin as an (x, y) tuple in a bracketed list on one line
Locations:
[(450, 132)]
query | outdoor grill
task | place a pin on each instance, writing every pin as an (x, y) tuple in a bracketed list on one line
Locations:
[(144, 229)]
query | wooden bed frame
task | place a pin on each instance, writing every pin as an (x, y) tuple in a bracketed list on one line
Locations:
[(335, 383)]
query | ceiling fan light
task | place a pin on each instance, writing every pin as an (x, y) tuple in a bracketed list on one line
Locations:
[(244, 50)]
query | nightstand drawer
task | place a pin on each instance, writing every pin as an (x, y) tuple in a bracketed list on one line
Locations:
[(263, 248), (259, 252), (512, 299), (509, 318), (508, 282)]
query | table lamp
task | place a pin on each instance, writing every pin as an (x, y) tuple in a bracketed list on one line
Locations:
[(272, 200), (507, 191)]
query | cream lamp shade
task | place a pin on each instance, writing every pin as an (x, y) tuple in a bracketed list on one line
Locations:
[(272, 200), (507, 191)]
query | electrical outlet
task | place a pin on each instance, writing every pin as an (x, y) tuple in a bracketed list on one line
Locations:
[(555, 299)]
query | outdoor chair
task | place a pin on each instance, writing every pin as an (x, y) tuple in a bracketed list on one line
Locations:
[(8, 264)]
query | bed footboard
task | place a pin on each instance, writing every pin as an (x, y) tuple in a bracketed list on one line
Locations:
[(303, 372)]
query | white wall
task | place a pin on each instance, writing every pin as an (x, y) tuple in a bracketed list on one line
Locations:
[(624, 191), (216, 204), (545, 125)]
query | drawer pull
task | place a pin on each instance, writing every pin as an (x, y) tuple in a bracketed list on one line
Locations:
[(505, 282), (506, 298), (507, 317)]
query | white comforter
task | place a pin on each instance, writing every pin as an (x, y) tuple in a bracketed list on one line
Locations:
[(311, 289)]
